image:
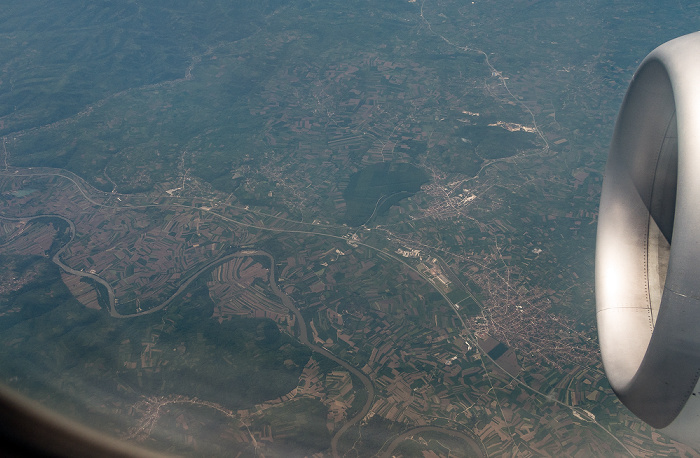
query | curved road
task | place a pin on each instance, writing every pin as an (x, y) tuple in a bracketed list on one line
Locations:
[(477, 450), (286, 300), (380, 253)]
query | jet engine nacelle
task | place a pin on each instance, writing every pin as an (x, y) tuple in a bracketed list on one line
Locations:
[(648, 244)]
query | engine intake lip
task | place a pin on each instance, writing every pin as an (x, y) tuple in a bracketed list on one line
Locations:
[(651, 351)]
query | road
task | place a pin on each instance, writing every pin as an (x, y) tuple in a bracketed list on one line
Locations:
[(287, 301), (477, 450)]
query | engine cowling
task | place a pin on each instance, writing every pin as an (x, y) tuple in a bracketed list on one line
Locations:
[(648, 244)]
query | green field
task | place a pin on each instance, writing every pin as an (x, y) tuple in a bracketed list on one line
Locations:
[(376, 188)]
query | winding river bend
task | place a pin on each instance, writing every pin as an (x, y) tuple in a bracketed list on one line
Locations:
[(57, 258), (286, 300), (303, 337), (288, 303)]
